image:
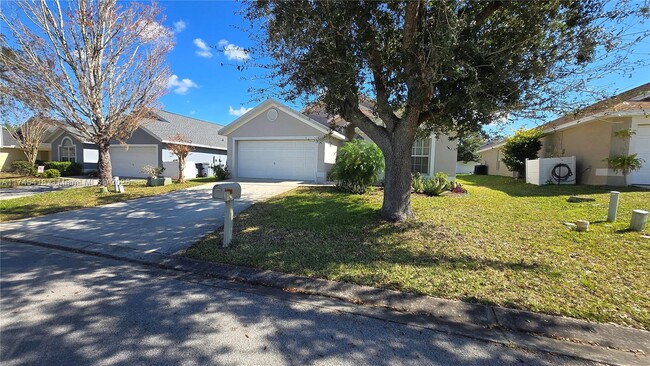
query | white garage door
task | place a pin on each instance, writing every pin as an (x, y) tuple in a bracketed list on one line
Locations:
[(277, 159), (128, 161), (640, 145)]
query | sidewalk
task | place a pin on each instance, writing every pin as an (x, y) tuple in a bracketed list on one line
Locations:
[(606, 343)]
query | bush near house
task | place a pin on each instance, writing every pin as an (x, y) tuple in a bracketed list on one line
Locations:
[(23, 167), (221, 172), (66, 168), (50, 173), (523, 145), (357, 166)]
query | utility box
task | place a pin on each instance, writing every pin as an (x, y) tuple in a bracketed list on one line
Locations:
[(560, 170), (226, 191)]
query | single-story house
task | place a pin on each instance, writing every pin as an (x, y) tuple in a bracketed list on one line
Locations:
[(589, 136), (146, 146), (276, 142), (10, 152)]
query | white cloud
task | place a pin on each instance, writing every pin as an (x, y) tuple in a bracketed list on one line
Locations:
[(238, 112), (179, 26), (151, 31), (232, 51), (192, 112), (204, 50), (180, 86)]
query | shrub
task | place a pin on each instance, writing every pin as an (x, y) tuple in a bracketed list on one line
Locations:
[(52, 173), (221, 172), (152, 171), (357, 166), (523, 145), (417, 182), (23, 167), (457, 188), (66, 168), (436, 185)]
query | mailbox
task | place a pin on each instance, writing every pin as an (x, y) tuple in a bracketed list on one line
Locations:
[(220, 191)]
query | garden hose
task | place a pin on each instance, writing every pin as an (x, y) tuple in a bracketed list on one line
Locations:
[(559, 176)]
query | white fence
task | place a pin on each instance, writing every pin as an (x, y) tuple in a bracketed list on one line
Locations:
[(171, 169)]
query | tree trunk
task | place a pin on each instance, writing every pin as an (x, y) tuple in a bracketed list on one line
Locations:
[(397, 180), (104, 168), (31, 154), (181, 169)]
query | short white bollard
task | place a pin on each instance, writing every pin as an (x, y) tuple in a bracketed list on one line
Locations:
[(227, 225), (116, 183), (639, 220), (613, 206), (227, 192)]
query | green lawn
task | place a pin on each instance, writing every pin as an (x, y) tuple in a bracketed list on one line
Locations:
[(504, 244), (75, 198)]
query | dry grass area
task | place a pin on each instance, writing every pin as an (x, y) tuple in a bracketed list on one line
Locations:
[(503, 244)]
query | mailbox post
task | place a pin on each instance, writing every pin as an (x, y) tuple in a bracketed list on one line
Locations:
[(227, 192)]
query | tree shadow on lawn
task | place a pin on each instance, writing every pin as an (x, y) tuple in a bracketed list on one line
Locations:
[(519, 188), (320, 232)]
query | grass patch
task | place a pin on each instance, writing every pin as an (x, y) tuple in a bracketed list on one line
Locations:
[(75, 198), (503, 244)]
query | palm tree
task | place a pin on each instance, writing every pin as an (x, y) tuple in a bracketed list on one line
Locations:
[(625, 164)]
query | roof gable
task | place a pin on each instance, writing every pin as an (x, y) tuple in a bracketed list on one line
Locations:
[(272, 103)]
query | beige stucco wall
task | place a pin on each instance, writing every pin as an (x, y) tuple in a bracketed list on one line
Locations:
[(285, 127), (445, 155), (9, 155), (590, 143), (492, 158)]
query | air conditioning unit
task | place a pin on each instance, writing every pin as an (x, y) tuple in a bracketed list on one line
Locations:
[(560, 170)]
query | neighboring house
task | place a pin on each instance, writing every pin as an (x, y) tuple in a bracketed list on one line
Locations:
[(10, 152), (277, 142), (588, 135), (146, 146)]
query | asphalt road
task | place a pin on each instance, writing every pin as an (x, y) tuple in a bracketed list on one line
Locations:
[(62, 308)]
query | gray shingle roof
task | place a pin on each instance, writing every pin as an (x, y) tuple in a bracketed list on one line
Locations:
[(7, 139), (200, 132)]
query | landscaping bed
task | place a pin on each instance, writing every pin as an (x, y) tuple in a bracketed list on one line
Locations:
[(504, 244), (75, 198)]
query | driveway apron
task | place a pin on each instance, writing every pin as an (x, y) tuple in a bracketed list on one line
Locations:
[(165, 224)]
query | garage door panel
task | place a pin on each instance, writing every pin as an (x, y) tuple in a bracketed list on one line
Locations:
[(640, 145), (128, 161), (277, 159)]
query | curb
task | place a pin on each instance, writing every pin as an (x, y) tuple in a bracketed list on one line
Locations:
[(591, 341)]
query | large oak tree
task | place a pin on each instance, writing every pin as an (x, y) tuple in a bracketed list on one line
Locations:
[(99, 65), (431, 66)]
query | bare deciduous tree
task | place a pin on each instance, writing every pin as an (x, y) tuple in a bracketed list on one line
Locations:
[(181, 148), (24, 115), (98, 65), (26, 125)]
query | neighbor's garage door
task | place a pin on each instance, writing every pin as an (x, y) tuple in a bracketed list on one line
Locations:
[(640, 145), (278, 159), (127, 161)]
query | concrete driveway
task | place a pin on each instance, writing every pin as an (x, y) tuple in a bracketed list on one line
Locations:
[(165, 224)]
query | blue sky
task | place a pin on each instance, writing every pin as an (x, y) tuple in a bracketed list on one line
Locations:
[(219, 93), (210, 37), (209, 45)]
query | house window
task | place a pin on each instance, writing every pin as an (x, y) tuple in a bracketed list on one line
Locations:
[(420, 156), (68, 150)]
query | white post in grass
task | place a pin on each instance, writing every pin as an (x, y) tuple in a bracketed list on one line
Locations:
[(227, 227), (613, 206), (639, 220)]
